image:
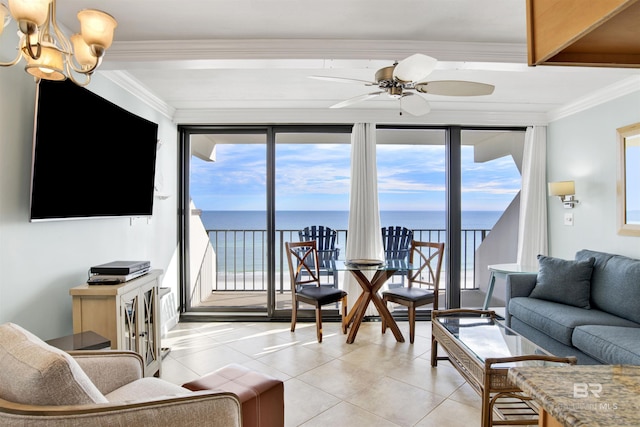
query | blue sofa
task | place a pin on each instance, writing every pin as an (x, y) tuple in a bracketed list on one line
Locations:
[(595, 318)]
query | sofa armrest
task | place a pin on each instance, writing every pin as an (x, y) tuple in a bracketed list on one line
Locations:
[(109, 369), (517, 285), (214, 409)]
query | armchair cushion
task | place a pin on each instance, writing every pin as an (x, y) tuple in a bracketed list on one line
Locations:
[(146, 388), (564, 281), (36, 373)]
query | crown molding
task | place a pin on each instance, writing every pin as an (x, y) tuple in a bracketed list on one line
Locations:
[(133, 86), (352, 115), (199, 50), (624, 87)]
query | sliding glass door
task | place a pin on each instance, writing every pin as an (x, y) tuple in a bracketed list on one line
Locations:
[(249, 189), (311, 190), (227, 221)]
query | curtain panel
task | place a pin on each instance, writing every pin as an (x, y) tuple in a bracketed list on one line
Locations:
[(532, 230), (364, 237)]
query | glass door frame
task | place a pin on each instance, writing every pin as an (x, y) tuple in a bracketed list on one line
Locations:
[(453, 171)]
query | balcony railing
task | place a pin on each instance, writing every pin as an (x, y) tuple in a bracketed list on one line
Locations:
[(241, 256)]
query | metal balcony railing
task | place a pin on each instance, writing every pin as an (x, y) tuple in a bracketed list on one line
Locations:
[(241, 256)]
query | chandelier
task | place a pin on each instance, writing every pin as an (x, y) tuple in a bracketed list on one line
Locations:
[(48, 53)]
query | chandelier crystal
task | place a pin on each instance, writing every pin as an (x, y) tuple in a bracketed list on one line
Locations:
[(48, 53)]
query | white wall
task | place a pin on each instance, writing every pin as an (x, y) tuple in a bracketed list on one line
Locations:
[(582, 147), (39, 262)]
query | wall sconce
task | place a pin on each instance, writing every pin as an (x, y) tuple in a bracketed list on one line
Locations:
[(565, 190)]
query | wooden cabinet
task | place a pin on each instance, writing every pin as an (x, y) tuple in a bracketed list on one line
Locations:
[(127, 314), (603, 33)]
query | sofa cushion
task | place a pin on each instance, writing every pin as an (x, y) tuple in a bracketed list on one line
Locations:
[(615, 284), (564, 281), (35, 373), (613, 345), (559, 320)]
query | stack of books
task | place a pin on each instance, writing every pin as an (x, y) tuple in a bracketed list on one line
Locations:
[(116, 272)]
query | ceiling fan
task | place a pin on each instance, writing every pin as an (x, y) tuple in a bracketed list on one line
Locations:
[(403, 79)]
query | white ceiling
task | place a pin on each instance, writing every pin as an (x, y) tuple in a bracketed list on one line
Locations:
[(208, 60)]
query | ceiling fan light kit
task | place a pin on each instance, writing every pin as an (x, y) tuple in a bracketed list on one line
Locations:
[(400, 80)]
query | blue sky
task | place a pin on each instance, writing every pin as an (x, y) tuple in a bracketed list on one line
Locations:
[(316, 177)]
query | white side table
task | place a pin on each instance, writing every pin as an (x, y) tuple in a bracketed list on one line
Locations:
[(501, 270)]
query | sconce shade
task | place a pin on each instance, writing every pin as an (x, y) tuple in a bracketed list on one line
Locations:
[(50, 65), (97, 27), (34, 11), (562, 188)]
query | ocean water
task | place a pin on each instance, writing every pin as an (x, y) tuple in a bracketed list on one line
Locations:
[(239, 237), (339, 220)]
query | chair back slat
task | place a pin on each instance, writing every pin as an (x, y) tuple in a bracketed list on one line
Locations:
[(325, 239), (428, 257), (396, 241), (303, 264)]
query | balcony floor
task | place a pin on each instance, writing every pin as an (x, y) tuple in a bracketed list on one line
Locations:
[(250, 299)]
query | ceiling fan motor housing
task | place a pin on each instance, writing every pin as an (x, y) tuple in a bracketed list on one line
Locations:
[(384, 76), (386, 81)]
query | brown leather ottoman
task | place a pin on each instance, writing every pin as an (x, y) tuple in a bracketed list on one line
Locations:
[(261, 396)]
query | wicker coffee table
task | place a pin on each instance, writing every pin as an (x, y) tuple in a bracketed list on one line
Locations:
[(482, 349)]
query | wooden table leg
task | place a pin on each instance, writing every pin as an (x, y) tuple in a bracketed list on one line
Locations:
[(359, 311), (370, 293), (354, 309)]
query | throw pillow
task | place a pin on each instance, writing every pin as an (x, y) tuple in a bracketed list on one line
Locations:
[(564, 281), (34, 373)]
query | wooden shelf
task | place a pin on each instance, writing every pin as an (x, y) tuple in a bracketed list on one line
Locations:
[(599, 33)]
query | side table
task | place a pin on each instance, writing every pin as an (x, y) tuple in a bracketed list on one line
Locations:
[(87, 340), (501, 270)]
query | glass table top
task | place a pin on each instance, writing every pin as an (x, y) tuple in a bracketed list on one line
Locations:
[(388, 264), (486, 337)]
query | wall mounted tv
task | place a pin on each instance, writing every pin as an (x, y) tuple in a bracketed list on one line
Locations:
[(91, 158)]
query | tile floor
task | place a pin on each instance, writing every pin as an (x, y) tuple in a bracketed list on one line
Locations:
[(372, 382)]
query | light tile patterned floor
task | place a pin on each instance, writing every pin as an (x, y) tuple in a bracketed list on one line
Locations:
[(372, 382)]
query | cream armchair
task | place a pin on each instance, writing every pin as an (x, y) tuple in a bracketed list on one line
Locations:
[(41, 385)]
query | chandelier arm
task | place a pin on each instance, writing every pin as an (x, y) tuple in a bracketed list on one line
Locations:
[(81, 70), (65, 45), (71, 72), (15, 60), (71, 77), (38, 45)]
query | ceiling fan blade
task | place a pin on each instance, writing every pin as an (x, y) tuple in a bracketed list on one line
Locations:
[(343, 80), (414, 68), (414, 104), (356, 99), (455, 88)]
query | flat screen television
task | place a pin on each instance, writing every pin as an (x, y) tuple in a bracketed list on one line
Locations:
[(91, 158)]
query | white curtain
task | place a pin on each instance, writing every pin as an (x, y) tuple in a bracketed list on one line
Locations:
[(364, 240), (532, 231)]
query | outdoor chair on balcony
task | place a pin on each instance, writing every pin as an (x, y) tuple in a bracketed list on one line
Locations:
[(305, 284), (423, 282), (325, 239), (396, 241)]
